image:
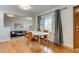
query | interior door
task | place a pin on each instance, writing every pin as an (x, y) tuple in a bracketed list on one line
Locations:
[(76, 27)]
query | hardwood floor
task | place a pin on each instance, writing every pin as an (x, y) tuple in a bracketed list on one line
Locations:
[(57, 48), (18, 45)]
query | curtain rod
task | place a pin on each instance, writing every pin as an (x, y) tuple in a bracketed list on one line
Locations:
[(53, 11)]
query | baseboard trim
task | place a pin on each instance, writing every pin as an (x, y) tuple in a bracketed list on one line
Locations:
[(51, 43), (69, 48)]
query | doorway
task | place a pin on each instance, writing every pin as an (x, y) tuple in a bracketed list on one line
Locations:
[(76, 27)]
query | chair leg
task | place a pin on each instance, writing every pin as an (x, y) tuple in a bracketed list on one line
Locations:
[(28, 41)]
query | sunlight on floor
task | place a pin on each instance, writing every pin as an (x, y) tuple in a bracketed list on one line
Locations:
[(46, 49)]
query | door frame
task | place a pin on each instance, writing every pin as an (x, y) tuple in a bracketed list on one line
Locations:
[(74, 24)]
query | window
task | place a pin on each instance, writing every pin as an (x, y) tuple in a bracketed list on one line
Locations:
[(46, 23)]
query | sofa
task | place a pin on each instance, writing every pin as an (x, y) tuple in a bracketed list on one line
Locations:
[(17, 33)]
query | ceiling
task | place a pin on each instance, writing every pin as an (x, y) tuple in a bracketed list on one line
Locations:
[(36, 9)]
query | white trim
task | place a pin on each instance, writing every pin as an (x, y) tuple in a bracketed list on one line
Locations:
[(5, 40), (53, 9)]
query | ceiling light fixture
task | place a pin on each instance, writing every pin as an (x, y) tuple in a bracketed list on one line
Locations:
[(25, 7), (10, 15), (29, 18)]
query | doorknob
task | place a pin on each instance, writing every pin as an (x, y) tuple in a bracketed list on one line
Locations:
[(77, 26), (77, 30)]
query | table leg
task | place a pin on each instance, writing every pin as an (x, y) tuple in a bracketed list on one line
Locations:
[(39, 40), (47, 44)]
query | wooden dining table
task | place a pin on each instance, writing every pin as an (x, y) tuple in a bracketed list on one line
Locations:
[(39, 34)]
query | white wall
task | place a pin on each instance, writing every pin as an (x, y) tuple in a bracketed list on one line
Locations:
[(67, 23), (9, 22), (4, 32), (1, 20)]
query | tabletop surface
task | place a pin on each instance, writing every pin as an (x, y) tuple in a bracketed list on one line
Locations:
[(39, 33)]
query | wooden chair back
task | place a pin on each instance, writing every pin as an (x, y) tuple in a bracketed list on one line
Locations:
[(26, 34), (45, 36), (30, 36), (45, 30)]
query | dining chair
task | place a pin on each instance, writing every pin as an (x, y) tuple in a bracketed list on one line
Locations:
[(26, 34), (45, 36), (45, 30), (29, 37)]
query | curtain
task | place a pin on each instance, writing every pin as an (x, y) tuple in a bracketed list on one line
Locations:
[(38, 25), (58, 36)]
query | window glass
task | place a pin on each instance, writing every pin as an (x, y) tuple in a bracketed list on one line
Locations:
[(47, 22)]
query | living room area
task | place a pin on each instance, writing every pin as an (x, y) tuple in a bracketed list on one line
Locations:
[(39, 29), (39, 24), (16, 23)]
